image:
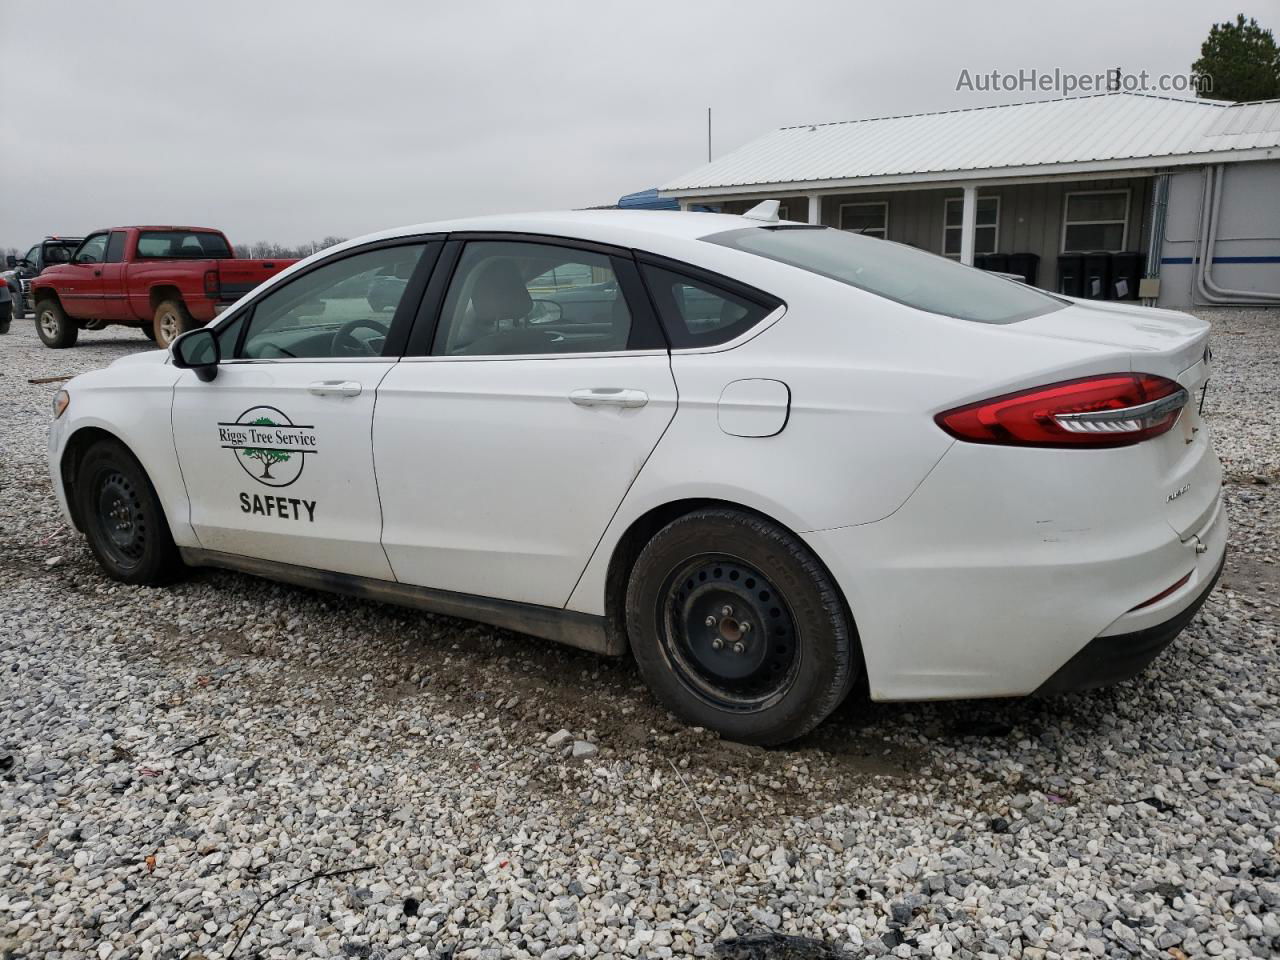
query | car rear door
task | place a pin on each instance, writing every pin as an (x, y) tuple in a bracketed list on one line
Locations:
[(275, 451), (508, 436)]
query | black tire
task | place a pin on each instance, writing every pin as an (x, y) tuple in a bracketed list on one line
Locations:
[(54, 327), (149, 331), (171, 321), (122, 517), (19, 306), (6, 316), (797, 656)]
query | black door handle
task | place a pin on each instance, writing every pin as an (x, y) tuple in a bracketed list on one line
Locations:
[(97, 273)]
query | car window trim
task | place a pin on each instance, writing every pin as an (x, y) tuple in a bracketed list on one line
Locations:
[(397, 333), (645, 337)]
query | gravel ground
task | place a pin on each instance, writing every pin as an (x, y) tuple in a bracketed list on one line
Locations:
[(173, 760)]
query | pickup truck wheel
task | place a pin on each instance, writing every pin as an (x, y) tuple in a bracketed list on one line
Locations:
[(55, 328), (172, 320)]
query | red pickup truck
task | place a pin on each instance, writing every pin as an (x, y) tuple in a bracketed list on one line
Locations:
[(166, 280)]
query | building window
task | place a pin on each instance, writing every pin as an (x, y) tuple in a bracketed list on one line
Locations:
[(1095, 220), (782, 212), (986, 236), (871, 219)]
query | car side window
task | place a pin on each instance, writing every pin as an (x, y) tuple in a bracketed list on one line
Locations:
[(115, 247), (513, 298), (93, 249), (341, 309), (700, 313)]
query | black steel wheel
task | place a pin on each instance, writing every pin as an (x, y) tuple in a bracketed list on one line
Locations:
[(122, 517), (730, 632), (738, 627)]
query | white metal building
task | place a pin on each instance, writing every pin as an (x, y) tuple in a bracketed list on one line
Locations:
[(1070, 181)]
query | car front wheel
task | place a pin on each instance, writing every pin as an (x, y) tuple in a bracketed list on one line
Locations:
[(737, 627), (122, 517)]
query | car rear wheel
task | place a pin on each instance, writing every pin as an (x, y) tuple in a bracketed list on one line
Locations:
[(737, 627), (122, 517), (171, 321), (55, 328)]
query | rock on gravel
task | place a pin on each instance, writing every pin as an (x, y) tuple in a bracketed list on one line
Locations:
[(171, 760)]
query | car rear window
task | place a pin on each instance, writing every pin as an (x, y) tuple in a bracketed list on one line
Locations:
[(896, 272), (182, 245)]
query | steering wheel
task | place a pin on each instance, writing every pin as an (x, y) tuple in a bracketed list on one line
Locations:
[(344, 342)]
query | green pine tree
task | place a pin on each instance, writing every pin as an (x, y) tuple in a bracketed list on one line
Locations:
[(1241, 61)]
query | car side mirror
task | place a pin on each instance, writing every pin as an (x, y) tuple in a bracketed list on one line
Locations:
[(197, 350), (11, 262)]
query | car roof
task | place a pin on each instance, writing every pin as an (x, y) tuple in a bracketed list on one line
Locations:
[(620, 227), (170, 226)]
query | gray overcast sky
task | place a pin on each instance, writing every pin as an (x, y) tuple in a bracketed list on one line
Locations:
[(289, 121)]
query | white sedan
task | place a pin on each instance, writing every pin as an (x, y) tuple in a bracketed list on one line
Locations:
[(771, 460)]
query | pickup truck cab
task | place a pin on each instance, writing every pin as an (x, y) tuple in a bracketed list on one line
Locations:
[(164, 280), (21, 270)]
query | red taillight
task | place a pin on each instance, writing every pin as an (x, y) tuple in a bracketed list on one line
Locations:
[(1112, 410), (211, 287)]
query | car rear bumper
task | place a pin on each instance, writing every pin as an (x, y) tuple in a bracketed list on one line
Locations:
[(1004, 565), (1113, 659)]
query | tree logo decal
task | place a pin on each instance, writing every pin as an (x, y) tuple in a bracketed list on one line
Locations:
[(269, 446)]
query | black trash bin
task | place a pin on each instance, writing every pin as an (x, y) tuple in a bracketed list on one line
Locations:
[(1071, 275), (1025, 265), (980, 261), (998, 262), (1097, 276), (1126, 271)]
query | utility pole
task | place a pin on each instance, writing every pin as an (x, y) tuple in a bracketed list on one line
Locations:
[(708, 134)]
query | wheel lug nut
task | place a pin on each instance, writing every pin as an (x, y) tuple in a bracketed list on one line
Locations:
[(726, 611), (717, 644), (744, 627), (739, 647), (710, 621)]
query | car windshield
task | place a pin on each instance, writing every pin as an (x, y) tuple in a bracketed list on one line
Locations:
[(182, 245), (896, 272)]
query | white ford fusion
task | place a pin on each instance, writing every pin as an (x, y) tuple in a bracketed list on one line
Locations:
[(771, 460)]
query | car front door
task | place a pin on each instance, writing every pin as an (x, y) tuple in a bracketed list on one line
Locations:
[(276, 451), (509, 434)]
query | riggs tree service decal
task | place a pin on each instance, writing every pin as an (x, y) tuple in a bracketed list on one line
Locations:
[(269, 446)]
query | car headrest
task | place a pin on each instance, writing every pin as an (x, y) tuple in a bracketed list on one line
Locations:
[(499, 292)]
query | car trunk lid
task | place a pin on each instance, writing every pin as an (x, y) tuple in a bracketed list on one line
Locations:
[(1173, 345)]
